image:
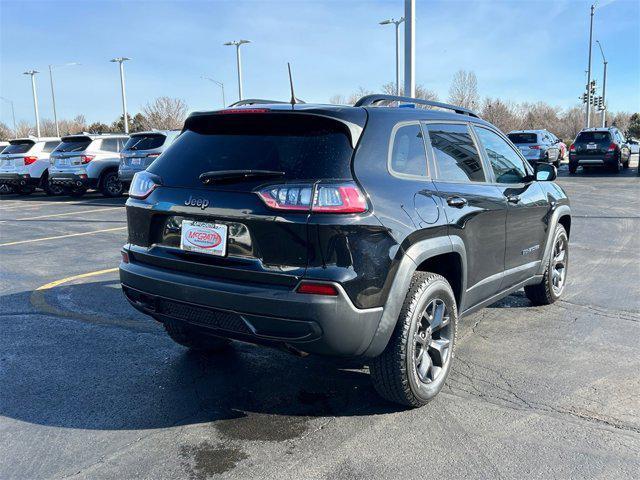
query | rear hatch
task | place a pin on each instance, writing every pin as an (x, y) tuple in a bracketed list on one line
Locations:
[(13, 156), (527, 143), (282, 154), (141, 149), (592, 144), (71, 152)]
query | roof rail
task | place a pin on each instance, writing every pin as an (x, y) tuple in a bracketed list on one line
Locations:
[(369, 100), (255, 101)]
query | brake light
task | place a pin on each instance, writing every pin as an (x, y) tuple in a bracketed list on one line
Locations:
[(84, 159), (534, 147), (316, 198), (612, 147), (143, 184), (243, 110), (152, 155), (317, 289), (572, 148), (30, 159)]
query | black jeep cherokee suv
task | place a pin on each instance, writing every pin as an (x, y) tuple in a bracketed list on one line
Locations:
[(364, 231)]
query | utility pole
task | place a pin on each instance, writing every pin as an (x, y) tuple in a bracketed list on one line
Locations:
[(588, 113), (53, 95), (121, 60), (32, 73), (604, 86), (238, 44), (13, 115), (220, 84), (397, 24), (409, 48)]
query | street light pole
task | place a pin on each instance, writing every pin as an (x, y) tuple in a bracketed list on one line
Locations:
[(604, 86), (409, 48), (32, 73), (13, 115), (53, 95), (121, 60), (220, 84), (237, 44), (588, 113), (397, 24)]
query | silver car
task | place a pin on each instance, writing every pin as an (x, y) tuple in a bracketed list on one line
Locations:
[(24, 165), (141, 149), (537, 145), (87, 161)]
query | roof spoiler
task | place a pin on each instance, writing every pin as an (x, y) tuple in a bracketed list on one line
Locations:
[(258, 101), (371, 100)]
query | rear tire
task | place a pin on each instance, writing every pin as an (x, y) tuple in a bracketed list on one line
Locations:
[(110, 186), (573, 169), (416, 362), (183, 335), (555, 273)]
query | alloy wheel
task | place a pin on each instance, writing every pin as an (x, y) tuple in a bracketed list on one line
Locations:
[(432, 341), (559, 265)]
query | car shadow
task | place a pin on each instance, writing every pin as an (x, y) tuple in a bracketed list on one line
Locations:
[(94, 198), (64, 370)]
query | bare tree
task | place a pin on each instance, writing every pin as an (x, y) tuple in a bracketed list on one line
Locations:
[(503, 115), (76, 125), (621, 120), (165, 113), (338, 99), (464, 90), (357, 95), (24, 129), (5, 132), (421, 92)]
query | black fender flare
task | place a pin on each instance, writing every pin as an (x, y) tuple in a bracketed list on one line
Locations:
[(556, 214), (413, 257)]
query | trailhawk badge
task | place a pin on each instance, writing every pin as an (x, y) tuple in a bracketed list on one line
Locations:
[(209, 238)]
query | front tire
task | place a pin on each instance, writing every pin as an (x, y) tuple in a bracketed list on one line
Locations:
[(573, 169), (416, 362), (555, 274), (183, 335)]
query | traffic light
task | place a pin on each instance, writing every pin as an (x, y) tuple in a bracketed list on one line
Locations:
[(593, 87), (584, 98)]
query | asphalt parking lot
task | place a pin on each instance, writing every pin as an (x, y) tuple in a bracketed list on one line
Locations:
[(89, 388)]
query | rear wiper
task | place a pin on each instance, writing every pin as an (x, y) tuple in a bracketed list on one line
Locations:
[(222, 176)]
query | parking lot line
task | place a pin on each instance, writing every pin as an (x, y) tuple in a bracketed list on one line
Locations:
[(55, 283), (32, 240), (61, 214)]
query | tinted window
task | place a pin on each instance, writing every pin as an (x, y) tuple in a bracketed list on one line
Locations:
[(523, 137), (507, 165), (145, 142), (49, 147), (109, 144), (301, 146), (408, 155), (596, 137), (19, 146), (73, 144), (456, 156)]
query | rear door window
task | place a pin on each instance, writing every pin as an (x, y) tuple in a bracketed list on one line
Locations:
[(507, 165), (17, 147), (145, 142), (109, 144), (455, 153), (302, 146), (408, 154)]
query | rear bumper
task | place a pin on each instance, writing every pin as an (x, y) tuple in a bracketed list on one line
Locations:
[(125, 175), (72, 180), (18, 179), (257, 313), (595, 161)]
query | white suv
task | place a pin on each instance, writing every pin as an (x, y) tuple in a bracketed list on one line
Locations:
[(88, 161), (24, 165)]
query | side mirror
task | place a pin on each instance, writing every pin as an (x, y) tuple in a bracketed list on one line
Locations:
[(545, 172)]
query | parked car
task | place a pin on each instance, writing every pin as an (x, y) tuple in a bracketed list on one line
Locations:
[(564, 151), (24, 165), (364, 231), (88, 161), (597, 147), (634, 146), (537, 145), (140, 150)]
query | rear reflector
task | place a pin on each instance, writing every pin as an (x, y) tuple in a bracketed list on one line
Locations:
[(343, 197), (29, 160), (243, 110), (317, 289)]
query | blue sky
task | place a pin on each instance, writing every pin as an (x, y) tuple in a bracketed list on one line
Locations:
[(520, 50)]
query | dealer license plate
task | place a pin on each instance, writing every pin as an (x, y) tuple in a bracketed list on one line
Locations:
[(209, 238)]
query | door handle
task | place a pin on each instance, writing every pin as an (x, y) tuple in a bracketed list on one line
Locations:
[(513, 198), (456, 202)]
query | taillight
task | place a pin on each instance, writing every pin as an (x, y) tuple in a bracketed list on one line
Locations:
[(343, 197), (572, 148), (612, 147), (312, 288), (143, 184), (534, 147), (30, 159), (86, 158)]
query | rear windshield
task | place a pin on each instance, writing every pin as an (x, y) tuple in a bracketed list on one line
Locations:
[(145, 142), (303, 146), (595, 137), (523, 137), (73, 144), (20, 146)]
